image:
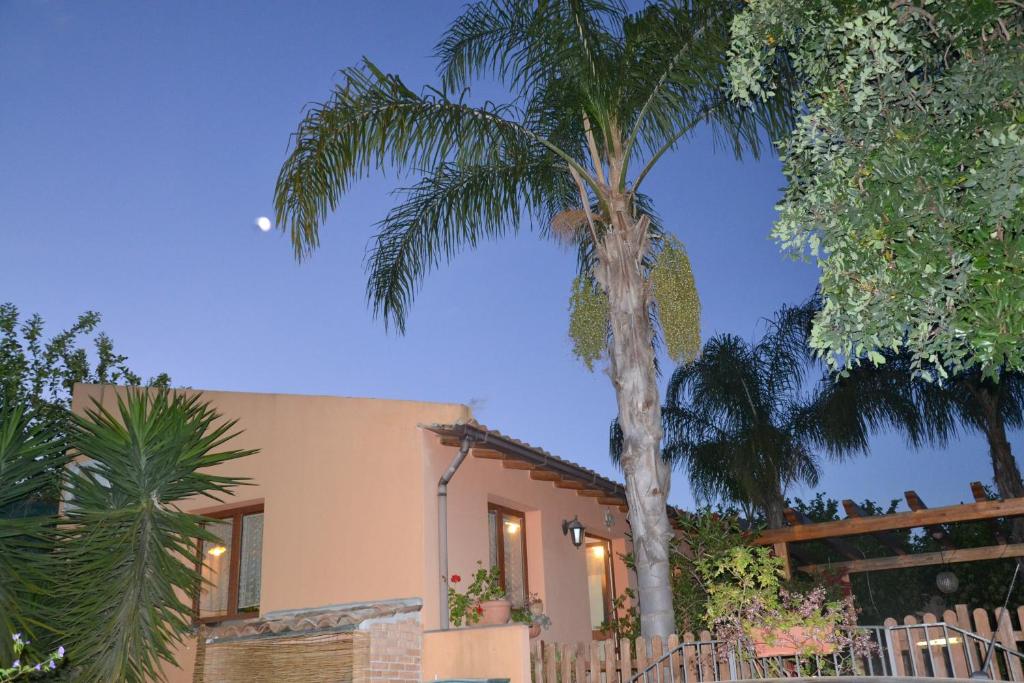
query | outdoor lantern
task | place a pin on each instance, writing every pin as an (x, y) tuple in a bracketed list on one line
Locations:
[(947, 582), (609, 519), (574, 530)]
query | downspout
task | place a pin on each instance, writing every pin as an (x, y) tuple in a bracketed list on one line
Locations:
[(442, 527)]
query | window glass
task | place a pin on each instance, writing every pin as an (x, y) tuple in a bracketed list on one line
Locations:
[(599, 581), (216, 559), (508, 551), (250, 563), (492, 522), (231, 566), (515, 560)]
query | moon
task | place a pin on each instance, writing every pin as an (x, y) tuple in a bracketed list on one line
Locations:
[(264, 224)]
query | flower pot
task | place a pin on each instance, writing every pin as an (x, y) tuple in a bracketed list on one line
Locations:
[(534, 631), (495, 612), (787, 642)]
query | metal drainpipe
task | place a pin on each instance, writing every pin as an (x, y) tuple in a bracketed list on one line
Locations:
[(442, 527)]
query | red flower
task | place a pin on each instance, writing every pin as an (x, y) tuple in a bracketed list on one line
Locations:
[(456, 578), (479, 609)]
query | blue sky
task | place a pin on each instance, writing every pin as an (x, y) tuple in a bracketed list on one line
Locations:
[(139, 141)]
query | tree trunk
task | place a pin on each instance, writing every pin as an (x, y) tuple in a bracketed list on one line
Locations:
[(632, 370), (1005, 471), (775, 507)]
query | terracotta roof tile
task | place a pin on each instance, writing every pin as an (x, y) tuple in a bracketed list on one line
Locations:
[(483, 434)]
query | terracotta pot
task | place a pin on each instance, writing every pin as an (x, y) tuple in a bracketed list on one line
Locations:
[(495, 612), (534, 630), (796, 640)]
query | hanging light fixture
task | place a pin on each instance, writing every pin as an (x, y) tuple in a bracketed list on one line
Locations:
[(947, 582), (574, 530)]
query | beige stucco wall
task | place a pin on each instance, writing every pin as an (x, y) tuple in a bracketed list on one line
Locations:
[(555, 569), (341, 483), (481, 652), (349, 490), (185, 658)]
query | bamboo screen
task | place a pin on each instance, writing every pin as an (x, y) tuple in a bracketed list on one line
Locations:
[(320, 658)]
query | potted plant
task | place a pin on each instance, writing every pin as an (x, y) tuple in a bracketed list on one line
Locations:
[(749, 608), (483, 602), (532, 614)]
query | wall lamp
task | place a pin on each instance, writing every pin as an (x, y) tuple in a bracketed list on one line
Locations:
[(574, 530)]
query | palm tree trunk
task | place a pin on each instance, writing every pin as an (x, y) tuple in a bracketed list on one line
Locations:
[(1005, 471), (775, 508), (632, 370)]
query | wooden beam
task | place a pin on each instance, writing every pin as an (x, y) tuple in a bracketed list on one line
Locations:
[(782, 552), (591, 493), (980, 494), (570, 484), (545, 475), (610, 501), (487, 454), (623, 508), (969, 512), (845, 549), (886, 538), (991, 552), (510, 464), (936, 532), (978, 491)]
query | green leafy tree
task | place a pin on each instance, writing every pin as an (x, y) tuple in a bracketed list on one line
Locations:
[(598, 94), (698, 536), (905, 170), (38, 373), (127, 574)]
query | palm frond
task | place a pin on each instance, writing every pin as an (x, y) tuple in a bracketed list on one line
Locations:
[(375, 121), (28, 448), (673, 78), (124, 526), (524, 43), (455, 207)]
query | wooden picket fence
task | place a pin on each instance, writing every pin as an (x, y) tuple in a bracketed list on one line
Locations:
[(952, 644), (940, 646)]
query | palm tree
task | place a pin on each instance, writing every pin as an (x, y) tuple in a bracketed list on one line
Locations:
[(598, 94), (964, 401), (28, 448), (990, 405), (124, 595), (749, 419)]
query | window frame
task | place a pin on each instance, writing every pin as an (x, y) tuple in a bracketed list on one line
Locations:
[(504, 510), (589, 539), (235, 514)]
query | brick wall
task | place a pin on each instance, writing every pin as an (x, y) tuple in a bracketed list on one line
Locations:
[(396, 648)]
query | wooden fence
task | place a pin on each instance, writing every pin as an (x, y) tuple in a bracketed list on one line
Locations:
[(952, 644), (939, 645)]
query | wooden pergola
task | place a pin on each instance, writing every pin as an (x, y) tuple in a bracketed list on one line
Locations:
[(881, 527)]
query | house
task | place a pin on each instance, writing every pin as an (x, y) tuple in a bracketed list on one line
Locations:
[(342, 508)]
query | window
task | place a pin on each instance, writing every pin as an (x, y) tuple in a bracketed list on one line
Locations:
[(599, 583), (231, 566), (508, 551)]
